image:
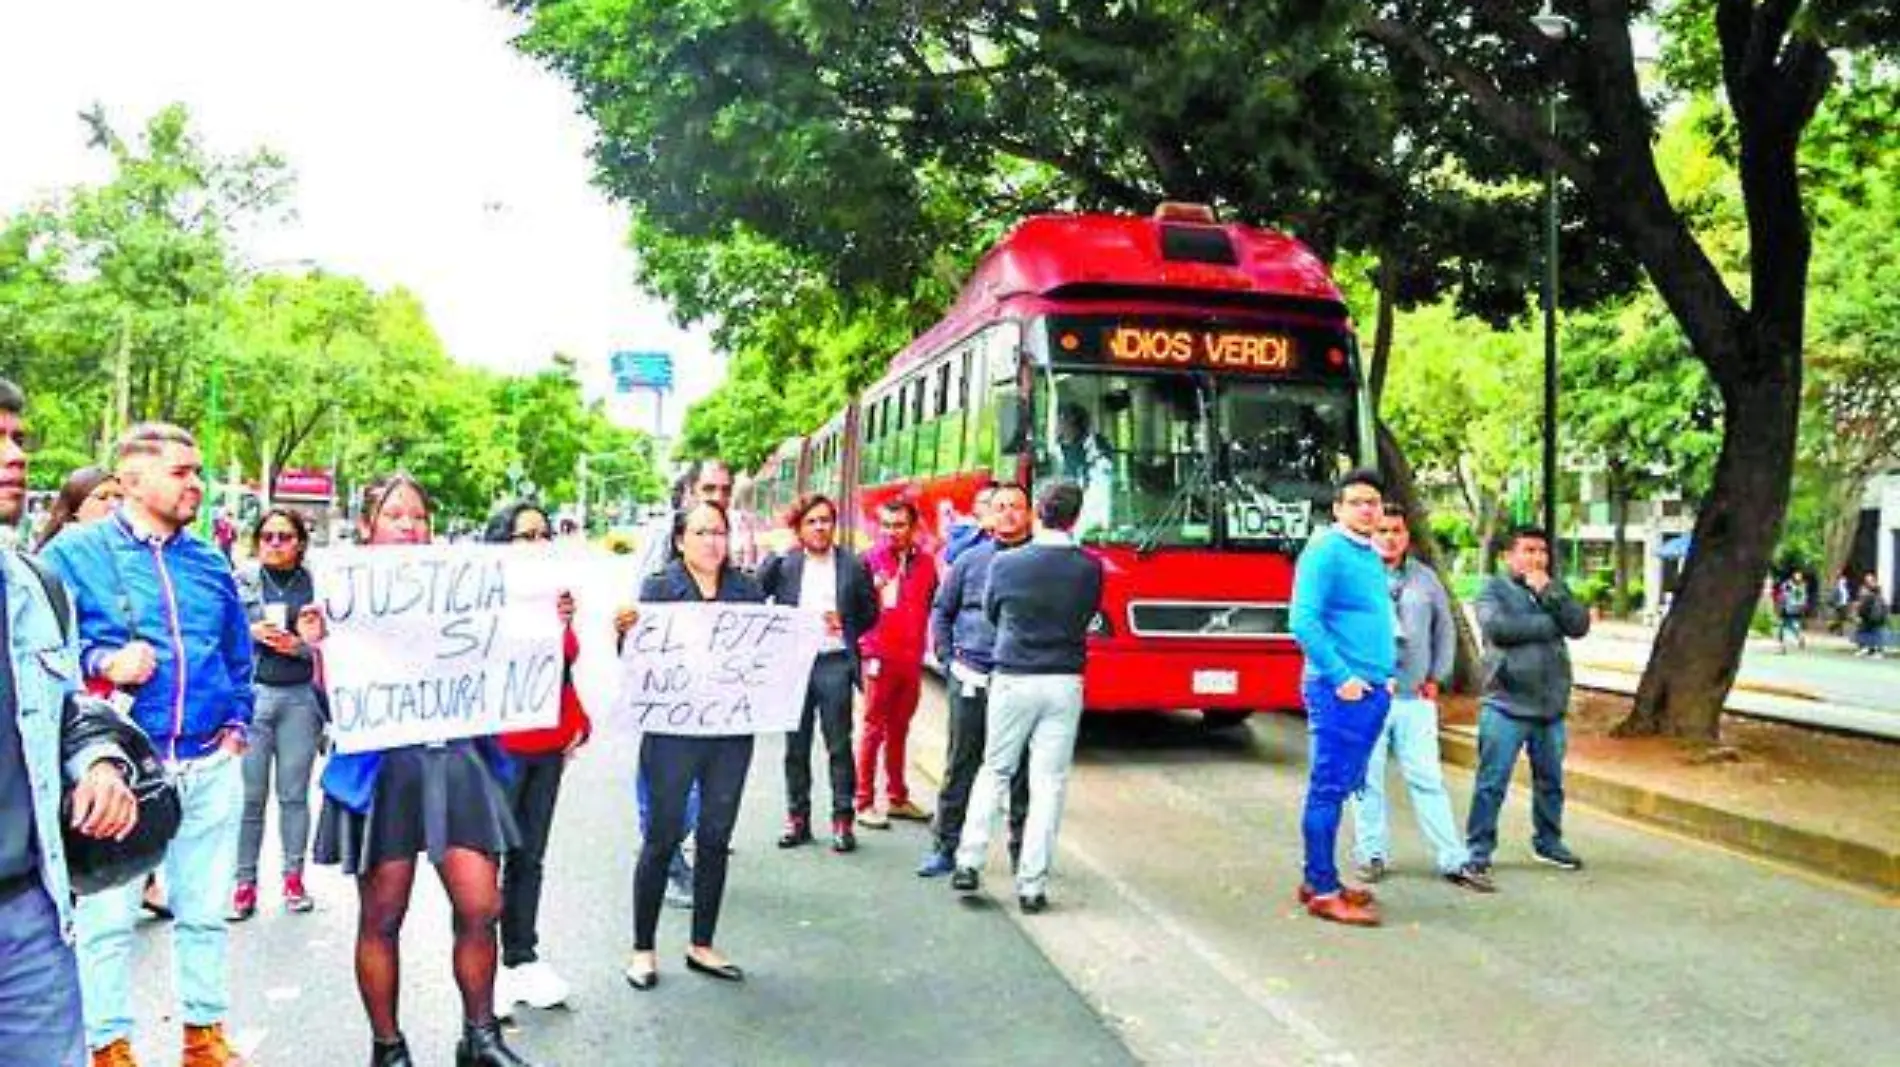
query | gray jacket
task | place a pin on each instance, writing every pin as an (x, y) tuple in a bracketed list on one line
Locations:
[(1428, 638), (1526, 663)]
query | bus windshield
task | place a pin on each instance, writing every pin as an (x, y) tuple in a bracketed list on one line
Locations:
[(1194, 460)]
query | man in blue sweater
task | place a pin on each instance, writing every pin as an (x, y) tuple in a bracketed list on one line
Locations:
[(1344, 620), (159, 615), (1040, 599), (964, 641)]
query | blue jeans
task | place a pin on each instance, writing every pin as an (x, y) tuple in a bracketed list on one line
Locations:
[(199, 867), (1340, 736), (1500, 738), (40, 1016), (1411, 733)]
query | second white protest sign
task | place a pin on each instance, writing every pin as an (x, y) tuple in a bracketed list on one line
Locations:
[(712, 670)]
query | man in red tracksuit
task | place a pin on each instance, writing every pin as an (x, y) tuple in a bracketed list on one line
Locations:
[(893, 655)]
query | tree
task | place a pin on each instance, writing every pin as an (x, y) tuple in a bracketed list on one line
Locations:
[(1771, 60)]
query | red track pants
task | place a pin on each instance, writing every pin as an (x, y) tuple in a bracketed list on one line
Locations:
[(890, 699)]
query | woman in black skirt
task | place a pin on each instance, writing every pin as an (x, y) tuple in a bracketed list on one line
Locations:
[(382, 809), (672, 764)]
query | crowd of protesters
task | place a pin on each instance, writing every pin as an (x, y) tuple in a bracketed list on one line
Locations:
[(221, 669)]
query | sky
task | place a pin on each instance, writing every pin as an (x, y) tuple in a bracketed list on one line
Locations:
[(428, 153)]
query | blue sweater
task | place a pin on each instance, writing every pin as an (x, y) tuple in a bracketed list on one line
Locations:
[(1342, 611), (177, 595), (1040, 599)]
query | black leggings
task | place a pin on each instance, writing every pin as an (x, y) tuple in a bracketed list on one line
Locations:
[(671, 766)]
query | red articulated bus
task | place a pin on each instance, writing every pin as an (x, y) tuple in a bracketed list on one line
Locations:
[(1199, 381)]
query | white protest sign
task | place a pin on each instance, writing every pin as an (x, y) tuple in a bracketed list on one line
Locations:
[(713, 670), (435, 642)]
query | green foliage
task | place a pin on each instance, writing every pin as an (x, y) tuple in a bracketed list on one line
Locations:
[(128, 300)]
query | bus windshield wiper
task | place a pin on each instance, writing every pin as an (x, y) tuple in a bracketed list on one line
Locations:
[(1202, 477)]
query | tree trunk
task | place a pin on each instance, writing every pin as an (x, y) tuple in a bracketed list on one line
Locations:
[(1686, 684), (1619, 539), (1402, 487), (1383, 331)]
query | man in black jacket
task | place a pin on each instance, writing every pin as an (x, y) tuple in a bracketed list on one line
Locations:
[(823, 577), (1040, 600), (1525, 619)]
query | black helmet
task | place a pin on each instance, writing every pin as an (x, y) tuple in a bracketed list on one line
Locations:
[(98, 864)]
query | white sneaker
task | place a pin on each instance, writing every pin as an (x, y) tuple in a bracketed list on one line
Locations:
[(507, 991), (540, 987)]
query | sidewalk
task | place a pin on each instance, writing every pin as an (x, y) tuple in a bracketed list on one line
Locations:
[(1825, 803)]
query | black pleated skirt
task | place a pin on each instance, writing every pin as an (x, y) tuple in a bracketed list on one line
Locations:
[(426, 799)]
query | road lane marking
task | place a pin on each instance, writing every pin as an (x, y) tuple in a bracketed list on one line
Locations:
[(1324, 1047)]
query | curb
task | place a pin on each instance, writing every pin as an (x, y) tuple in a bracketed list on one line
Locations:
[(1835, 857)]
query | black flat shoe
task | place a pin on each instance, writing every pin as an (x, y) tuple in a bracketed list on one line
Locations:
[(392, 1054), (725, 972), (640, 979)]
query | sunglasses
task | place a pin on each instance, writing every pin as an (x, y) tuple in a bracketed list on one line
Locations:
[(277, 537), (532, 535)]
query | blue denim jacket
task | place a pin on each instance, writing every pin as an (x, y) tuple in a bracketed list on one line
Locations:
[(45, 672)]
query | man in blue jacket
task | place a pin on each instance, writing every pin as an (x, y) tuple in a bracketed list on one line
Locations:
[(964, 644), (159, 616), (40, 1017), (1343, 617)]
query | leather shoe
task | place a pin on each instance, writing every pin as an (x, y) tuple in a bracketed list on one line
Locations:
[(482, 1046), (966, 880), (842, 839), (1034, 904), (1357, 896), (390, 1054), (725, 972), (797, 832), (1334, 907)]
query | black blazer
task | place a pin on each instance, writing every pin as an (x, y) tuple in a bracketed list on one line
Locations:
[(673, 585), (781, 577)]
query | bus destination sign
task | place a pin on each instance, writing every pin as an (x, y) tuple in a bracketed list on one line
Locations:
[(1241, 349)]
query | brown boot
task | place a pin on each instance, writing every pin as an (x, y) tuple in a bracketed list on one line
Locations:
[(117, 1054), (205, 1046)]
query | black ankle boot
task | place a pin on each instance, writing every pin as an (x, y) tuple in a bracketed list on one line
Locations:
[(390, 1054), (482, 1046)]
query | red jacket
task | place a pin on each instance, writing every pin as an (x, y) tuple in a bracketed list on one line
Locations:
[(905, 587), (573, 723)]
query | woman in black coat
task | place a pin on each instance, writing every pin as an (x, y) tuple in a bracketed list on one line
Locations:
[(672, 764)]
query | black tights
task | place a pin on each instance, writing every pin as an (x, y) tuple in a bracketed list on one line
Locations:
[(473, 884)]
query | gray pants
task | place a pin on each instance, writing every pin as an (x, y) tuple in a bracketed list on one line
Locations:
[(284, 732), (40, 1016), (1039, 713)]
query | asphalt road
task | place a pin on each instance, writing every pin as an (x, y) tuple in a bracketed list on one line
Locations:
[(1172, 939)]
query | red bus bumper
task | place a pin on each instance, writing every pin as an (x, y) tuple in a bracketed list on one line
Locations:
[(1153, 675)]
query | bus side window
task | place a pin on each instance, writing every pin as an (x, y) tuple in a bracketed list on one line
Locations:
[(946, 431)]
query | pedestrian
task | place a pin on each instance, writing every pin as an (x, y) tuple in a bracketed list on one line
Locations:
[(224, 531), (1040, 598), (1343, 618), (1870, 614), (677, 765), (445, 799), (1525, 618), (42, 1022), (821, 577), (965, 647), (87, 495), (966, 533), (159, 616), (893, 656), (1428, 647), (540, 759), (286, 628), (1843, 602), (1791, 608), (705, 480)]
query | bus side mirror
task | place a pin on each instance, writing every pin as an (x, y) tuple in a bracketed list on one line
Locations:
[(1010, 428)]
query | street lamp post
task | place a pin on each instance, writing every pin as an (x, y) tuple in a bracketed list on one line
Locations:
[(1555, 28)]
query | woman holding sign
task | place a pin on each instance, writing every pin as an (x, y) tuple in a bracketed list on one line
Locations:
[(381, 809), (672, 764)]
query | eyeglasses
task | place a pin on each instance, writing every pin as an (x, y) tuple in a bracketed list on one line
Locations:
[(531, 535), (277, 537)]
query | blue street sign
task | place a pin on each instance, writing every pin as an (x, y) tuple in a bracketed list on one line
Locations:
[(641, 370)]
